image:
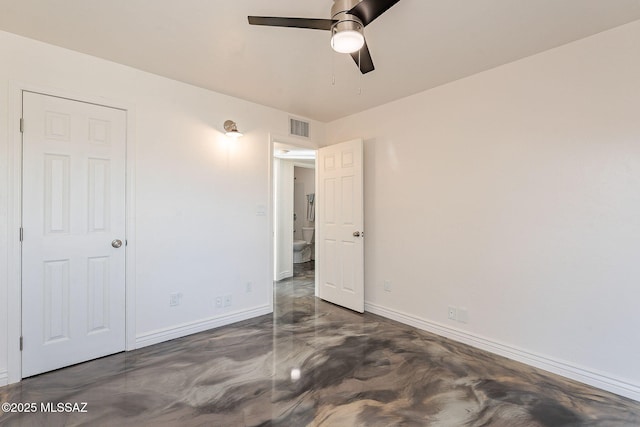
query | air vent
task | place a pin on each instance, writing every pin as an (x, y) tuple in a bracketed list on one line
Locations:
[(298, 127)]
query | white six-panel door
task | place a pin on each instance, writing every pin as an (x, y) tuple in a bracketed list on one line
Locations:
[(73, 277), (340, 246)]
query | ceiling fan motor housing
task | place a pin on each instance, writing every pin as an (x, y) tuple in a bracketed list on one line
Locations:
[(346, 21)]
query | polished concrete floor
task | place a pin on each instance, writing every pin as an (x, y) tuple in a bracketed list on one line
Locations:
[(314, 364)]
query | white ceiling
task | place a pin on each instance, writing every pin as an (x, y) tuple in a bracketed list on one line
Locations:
[(416, 45)]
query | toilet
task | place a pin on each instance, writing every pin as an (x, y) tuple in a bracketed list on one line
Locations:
[(302, 248)]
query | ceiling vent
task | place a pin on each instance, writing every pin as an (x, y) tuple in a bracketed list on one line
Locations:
[(298, 128)]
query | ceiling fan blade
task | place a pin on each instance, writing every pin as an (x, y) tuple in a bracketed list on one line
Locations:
[(363, 59), (274, 21), (368, 10)]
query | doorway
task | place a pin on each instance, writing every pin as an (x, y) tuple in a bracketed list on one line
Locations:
[(338, 225), (294, 217)]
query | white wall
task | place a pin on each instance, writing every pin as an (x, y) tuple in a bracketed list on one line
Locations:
[(197, 196), (305, 178), (515, 194)]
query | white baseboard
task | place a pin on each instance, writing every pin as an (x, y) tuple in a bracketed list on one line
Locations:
[(559, 367), (284, 275), (185, 329), (4, 378)]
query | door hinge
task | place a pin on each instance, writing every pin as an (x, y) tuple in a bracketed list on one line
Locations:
[(21, 343), (21, 234), (21, 125)]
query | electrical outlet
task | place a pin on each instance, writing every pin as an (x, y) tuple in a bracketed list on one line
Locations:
[(228, 300), (174, 299), (452, 313), (387, 286), (219, 302), (249, 287), (462, 315)]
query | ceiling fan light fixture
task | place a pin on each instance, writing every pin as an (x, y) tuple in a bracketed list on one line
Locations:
[(347, 37)]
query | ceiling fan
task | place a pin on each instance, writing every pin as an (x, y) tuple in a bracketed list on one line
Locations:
[(348, 18)]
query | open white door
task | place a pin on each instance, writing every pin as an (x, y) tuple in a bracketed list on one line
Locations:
[(73, 251), (339, 225)]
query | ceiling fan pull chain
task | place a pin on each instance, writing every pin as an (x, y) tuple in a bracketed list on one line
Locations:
[(333, 69), (360, 68)]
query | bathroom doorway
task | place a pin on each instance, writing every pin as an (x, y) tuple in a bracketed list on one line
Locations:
[(294, 216)]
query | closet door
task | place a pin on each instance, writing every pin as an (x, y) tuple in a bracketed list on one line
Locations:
[(73, 250)]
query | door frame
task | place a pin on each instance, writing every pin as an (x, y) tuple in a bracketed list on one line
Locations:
[(14, 217), (296, 142)]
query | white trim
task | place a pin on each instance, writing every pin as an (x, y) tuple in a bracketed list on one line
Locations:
[(271, 220), (275, 138), (14, 201), (284, 275), (130, 231), (310, 165), (166, 334), (14, 291), (560, 367), (4, 378)]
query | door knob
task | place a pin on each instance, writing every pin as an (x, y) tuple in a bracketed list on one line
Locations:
[(356, 234), (116, 243)]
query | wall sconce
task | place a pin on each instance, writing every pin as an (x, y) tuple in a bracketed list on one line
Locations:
[(231, 129)]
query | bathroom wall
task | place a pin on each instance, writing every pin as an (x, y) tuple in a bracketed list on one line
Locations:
[(305, 183), (202, 203), (283, 218), (513, 196)]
